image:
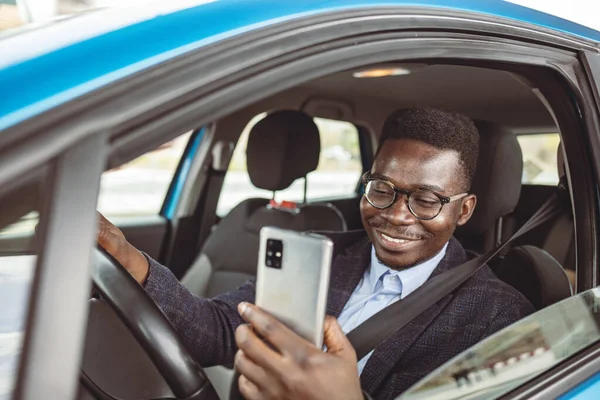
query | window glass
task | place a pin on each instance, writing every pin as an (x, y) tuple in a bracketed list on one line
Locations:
[(139, 187), (339, 169), (135, 189), (539, 158), (517, 353)]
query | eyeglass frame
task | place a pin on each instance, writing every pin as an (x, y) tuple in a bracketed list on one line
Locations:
[(366, 178)]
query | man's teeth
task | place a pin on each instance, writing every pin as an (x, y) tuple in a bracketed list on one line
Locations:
[(394, 240)]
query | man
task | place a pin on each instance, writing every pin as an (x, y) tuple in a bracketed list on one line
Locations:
[(416, 194)]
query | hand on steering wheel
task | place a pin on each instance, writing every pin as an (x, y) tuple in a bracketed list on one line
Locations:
[(150, 328)]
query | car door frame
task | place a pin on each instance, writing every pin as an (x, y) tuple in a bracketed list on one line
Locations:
[(53, 338), (584, 369), (273, 59)]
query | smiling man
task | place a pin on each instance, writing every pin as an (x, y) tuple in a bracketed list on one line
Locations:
[(416, 194)]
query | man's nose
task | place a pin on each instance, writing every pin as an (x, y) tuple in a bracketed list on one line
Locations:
[(399, 213)]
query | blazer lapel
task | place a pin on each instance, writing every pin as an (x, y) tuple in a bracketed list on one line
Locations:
[(388, 353), (347, 270)]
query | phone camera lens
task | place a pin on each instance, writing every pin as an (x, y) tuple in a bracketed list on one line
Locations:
[(274, 254)]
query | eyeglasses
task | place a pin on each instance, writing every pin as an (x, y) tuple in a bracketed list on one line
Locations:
[(423, 204)]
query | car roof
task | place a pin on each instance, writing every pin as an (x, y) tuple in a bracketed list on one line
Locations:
[(48, 66)]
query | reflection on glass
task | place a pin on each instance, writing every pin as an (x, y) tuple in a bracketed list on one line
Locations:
[(516, 354)]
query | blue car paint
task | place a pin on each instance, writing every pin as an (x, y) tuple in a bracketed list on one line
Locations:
[(45, 81), (172, 199), (587, 390)]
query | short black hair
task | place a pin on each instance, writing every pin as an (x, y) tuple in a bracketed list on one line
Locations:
[(439, 128)]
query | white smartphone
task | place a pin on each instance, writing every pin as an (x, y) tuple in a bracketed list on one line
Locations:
[(292, 280)]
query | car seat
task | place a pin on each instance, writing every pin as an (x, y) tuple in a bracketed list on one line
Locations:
[(282, 147)]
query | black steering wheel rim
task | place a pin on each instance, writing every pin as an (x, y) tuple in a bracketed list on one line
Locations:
[(151, 328)]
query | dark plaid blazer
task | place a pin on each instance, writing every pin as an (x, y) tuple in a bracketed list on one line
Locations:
[(480, 307)]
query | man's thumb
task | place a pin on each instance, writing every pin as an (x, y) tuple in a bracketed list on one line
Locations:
[(335, 339)]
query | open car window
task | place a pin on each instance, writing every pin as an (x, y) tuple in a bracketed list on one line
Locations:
[(515, 354)]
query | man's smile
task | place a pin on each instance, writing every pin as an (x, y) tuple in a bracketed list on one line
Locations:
[(395, 243)]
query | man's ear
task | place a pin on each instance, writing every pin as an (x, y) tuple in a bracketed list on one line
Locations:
[(468, 206)]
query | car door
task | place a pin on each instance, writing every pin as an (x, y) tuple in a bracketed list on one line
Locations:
[(182, 94)]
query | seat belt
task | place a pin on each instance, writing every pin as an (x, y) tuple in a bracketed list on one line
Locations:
[(382, 325)]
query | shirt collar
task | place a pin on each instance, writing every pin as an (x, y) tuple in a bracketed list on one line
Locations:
[(410, 278)]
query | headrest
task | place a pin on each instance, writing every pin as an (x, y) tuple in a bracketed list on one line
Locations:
[(536, 274), (497, 181), (282, 147)]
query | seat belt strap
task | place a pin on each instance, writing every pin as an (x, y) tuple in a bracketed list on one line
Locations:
[(382, 325), (209, 213)]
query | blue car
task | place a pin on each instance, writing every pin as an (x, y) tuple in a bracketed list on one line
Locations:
[(145, 115)]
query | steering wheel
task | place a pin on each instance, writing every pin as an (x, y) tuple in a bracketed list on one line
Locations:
[(151, 329)]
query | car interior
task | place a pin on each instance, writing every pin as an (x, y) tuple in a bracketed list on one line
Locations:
[(213, 253), (282, 150), (502, 105)]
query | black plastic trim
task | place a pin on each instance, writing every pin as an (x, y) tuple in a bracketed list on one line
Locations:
[(365, 142), (591, 65)]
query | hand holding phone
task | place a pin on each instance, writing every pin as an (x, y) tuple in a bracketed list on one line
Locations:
[(293, 279)]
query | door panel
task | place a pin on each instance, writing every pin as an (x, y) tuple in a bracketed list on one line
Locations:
[(147, 234), (17, 244)]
